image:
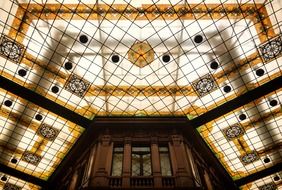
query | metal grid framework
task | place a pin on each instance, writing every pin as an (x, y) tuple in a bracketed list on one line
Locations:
[(9, 182), (22, 147), (259, 144), (123, 58), (269, 182)]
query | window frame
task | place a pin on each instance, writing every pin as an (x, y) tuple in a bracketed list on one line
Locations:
[(141, 159), (115, 152)]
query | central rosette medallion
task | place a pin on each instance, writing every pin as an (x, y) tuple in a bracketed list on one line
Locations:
[(141, 54)]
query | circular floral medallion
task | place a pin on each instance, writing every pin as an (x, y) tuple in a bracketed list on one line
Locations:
[(249, 157), (269, 186), (141, 54), (204, 85), (47, 132), (234, 131), (9, 186), (272, 49), (11, 49), (31, 158), (77, 85)]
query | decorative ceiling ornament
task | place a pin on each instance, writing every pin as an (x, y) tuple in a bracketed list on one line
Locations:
[(77, 85), (31, 158), (47, 132), (9, 186), (11, 49), (233, 132), (271, 49), (141, 54), (204, 85), (249, 157), (269, 186)]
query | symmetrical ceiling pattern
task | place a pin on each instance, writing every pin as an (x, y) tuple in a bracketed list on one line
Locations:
[(32, 140), (248, 139), (113, 58), (127, 58)]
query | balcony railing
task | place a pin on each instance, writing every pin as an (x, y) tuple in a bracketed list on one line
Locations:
[(115, 182), (168, 181), (142, 181)]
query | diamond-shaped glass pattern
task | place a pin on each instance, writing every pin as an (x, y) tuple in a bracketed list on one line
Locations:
[(236, 43)]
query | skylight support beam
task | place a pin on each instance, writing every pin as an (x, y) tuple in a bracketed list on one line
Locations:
[(23, 176), (246, 98), (43, 102), (260, 174)]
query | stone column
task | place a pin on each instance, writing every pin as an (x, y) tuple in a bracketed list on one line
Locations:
[(192, 165), (126, 165), (156, 166), (73, 181), (90, 163), (100, 173), (182, 170), (208, 181)]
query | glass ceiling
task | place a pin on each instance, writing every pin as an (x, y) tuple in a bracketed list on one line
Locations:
[(265, 183), (124, 58), (248, 139), (33, 140), (114, 58), (10, 182)]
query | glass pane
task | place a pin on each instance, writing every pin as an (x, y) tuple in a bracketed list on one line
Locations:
[(117, 164), (163, 149), (118, 149), (140, 149), (147, 165), (135, 166), (165, 164)]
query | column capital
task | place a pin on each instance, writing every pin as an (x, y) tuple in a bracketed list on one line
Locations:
[(154, 140), (127, 140), (176, 139), (105, 139)]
